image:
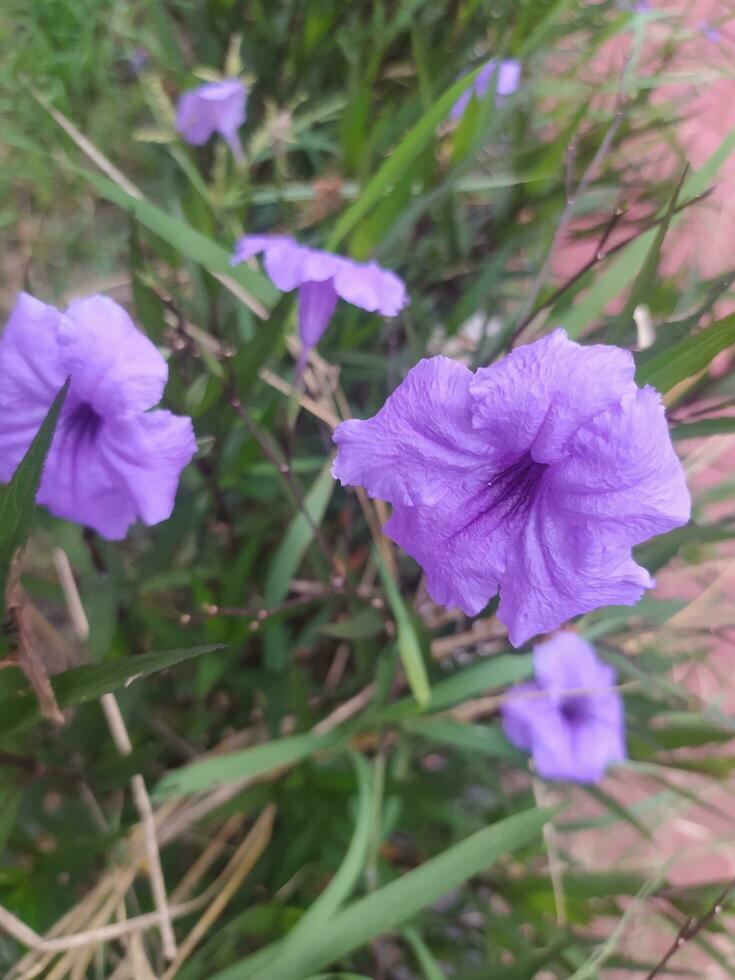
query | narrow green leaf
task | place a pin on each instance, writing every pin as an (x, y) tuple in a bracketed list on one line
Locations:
[(644, 281), (424, 957), (18, 498), (703, 428), (608, 284), (244, 764), (187, 240), (389, 907), (409, 646), (482, 739), (491, 674), (297, 946), (300, 534), (400, 160), (622, 270), (688, 357), (91, 682)]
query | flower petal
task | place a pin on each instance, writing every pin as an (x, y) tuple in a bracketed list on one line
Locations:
[(113, 366), (566, 662), (317, 301), (420, 445), (78, 485), (557, 569), (370, 287), (459, 544), (623, 473), (217, 107), (31, 375), (289, 265), (535, 399), (250, 245), (524, 712), (147, 455)]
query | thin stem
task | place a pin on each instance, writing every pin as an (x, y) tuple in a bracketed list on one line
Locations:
[(119, 732), (283, 469), (691, 927)]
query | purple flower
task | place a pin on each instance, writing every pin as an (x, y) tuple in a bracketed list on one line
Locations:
[(508, 72), (217, 107), (321, 278), (708, 31), (534, 476), (111, 460), (569, 718)]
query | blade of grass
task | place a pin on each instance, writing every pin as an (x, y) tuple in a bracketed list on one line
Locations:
[(389, 907), (91, 682)]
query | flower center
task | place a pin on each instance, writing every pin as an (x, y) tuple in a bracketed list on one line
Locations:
[(84, 422), (573, 710), (515, 487)]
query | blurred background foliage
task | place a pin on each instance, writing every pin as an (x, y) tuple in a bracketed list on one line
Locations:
[(303, 723)]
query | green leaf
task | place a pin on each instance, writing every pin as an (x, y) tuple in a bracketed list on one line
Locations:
[(244, 764), (91, 682), (703, 428), (389, 907), (481, 739), (409, 646), (18, 498), (297, 944), (185, 239), (687, 358), (424, 957), (496, 672), (400, 159), (300, 534)]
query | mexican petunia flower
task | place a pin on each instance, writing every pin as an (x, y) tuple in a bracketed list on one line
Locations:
[(506, 76), (321, 279), (217, 107), (111, 461), (570, 717), (534, 476)]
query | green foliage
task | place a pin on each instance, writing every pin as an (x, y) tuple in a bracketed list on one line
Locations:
[(307, 676)]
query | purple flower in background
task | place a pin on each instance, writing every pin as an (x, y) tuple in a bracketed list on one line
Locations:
[(111, 461), (569, 717), (708, 31), (321, 278), (217, 107), (534, 476), (508, 72)]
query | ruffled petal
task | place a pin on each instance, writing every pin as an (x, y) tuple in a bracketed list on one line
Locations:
[(460, 545), (557, 569), (113, 366), (420, 445), (79, 486), (623, 474), (290, 265), (146, 455), (370, 287), (537, 397), (31, 376), (250, 245)]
